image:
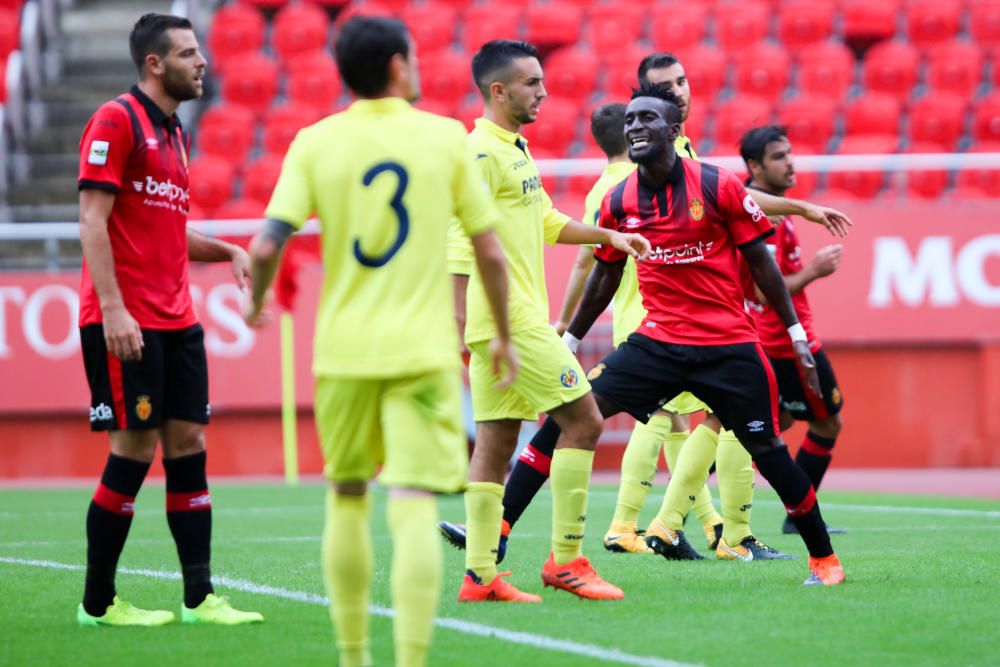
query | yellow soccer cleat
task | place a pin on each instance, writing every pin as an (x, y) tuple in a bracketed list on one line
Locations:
[(218, 611), (713, 534), (671, 544), (623, 538), (122, 613), (749, 549)]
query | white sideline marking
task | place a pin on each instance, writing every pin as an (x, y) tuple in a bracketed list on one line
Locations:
[(477, 629)]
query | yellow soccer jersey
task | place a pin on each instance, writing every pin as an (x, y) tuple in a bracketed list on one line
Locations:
[(384, 179), (527, 221)]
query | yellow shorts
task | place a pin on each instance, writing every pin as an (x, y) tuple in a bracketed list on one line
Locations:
[(412, 426), (549, 376), (684, 404)]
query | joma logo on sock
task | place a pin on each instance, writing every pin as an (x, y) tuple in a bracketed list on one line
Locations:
[(572, 536), (746, 508)]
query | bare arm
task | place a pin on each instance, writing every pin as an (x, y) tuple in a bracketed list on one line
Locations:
[(575, 233), (203, 248), (460, 285), (837, 223), (121, 332), (601, 287), (265, 255), (823, 264), (578, 275), (492, 265)]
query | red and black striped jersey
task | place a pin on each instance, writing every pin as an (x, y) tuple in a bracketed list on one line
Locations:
[(695, 222)]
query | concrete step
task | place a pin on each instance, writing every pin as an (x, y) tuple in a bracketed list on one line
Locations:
[(55, 164), (43, 190), (64, 139), (37, 255), (46, 213), (70, 113)]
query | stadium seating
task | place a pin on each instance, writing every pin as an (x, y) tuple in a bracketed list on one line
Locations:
[(737, 115), (938, 120), (984, 22), (955, 66), (555, 128), (805, 23), (930, 22), (10, 23), (865, 21), (240, 209), (621, 67), (299, 28), (313, 80), (236, 30), (872, 114), (251, 81), (925, 184), (432, 25), (891, 67), (260, 177), (826, 69), (211, 182), (445, 76), (482, 23), (282, 123), (226, 131), (810, 122), (743, 26), (986, 118), (761, 70), (571, 74), (678, 29), (706, 71), (862, 184), (979, 183), (553, 24), (609, 26)]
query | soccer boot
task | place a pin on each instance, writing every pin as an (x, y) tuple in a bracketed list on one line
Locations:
[(473, 590), (217, 610), (623, 538), (671, 544), (713, 534), (789, 528), (454, 533), (120, 612), (825, 571), (749, 549), (579, 578)]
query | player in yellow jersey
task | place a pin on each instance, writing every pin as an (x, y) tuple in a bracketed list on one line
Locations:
[(509, 76), (385, 179)]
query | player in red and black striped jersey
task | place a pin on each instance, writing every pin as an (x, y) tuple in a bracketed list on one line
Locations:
[(768, 156)]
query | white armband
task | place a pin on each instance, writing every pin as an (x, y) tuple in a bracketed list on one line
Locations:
[(572, 342), (797, 333)]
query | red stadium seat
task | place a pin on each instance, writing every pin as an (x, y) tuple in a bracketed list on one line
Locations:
[(236, 29), (226, 131), (281, 124), (611, 25), (552, 24), (863, 184), (3, 86), (741, 24), (873, 113), (470, 111), (694, 126), (251, 81), (762, 70), (432, 25), (492, 21), (979, 183), (930, 22), (986, 118), (298, 29), (621, 68), (826, 70), (806, 182), (681, 26), (330, 3), (984, 22), (555, 128), (925, 184), (266, 4), (10, 28), (260, 177), (955, 67), (445, 76), (938, 119), (891, 67), (435, 107), (866, 20), (211, 182), (571, 74), (240, 209), (313, 80), (737, 115), (705, 68), (804, 23), (809, 121), (364, 9)]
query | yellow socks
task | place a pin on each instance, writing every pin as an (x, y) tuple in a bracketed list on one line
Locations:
[(416, 575), (639, 467), (483, 514), (734, 470), (688, 477), (347, 570), (703, 507), (570, 479)]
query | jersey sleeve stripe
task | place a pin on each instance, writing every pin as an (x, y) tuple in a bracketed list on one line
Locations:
[(136, 125), (756, 240), (679, 196), (710, 188), (617, 197), (87, 184)]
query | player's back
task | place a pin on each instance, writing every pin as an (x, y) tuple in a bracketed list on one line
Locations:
[(383, 181)]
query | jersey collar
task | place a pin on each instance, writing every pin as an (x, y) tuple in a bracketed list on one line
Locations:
[(380, 105), (155, 113), (504, 135)]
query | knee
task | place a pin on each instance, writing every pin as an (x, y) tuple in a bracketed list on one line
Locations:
[(679, 423), (759, 447), (713, 422), (188, 443)]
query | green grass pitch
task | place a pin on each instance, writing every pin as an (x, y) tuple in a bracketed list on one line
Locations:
[(922, 589)]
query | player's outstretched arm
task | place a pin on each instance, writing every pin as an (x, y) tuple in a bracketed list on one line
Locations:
[(771, 283), (601, 287), (265, 255), (836, 222), (575, 233), (203, 248), (122, 334), (578, 275), (492, 265)]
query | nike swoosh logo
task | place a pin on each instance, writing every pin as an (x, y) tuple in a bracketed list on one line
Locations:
[(747, 557)]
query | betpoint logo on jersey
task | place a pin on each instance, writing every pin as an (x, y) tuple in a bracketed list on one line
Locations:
[(753, 208), (165, 189), (685, 254)]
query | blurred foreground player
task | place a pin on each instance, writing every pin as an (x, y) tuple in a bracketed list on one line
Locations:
[(142, 345), (385, 180), (768, 156)]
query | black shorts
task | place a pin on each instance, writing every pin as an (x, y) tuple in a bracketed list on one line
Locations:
[(797, 400), (170, 382), (735, 381)]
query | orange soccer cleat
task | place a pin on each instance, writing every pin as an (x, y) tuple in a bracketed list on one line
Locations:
[(579, 578), (825, 571), (473, 590)]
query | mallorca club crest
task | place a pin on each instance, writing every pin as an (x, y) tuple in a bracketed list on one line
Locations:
[(143, 408), (835, 396), (595, 372), (697, 210), (569, 378)]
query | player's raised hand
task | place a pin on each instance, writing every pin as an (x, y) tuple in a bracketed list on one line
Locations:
[(836, 223), (122, 334), (503, 358), (808, 364), (827, 259), (240, 265), (635, 245), (256, 315)]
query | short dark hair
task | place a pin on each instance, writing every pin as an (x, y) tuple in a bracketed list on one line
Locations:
[(364, 48), (660, 92), (607, 124), (655, 61), (149, 35), (494, 56), (753, 145)]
